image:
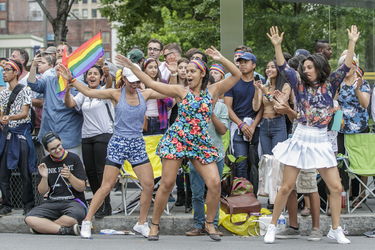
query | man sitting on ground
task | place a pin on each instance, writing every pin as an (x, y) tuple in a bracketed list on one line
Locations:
[(61, 173)]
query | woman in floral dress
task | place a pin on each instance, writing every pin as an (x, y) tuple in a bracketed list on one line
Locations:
[(188, 136)]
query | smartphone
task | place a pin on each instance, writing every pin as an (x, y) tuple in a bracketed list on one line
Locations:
[(257, 78), (38, 53)]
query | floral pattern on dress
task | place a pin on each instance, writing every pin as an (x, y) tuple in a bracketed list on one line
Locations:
[(188, 136), (355, 116), (314, 104)]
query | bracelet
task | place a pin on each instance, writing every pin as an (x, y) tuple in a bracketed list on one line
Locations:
[(106, 75), (243, 124), (175, 74), (72, 80), (240, 125), (342, 121)]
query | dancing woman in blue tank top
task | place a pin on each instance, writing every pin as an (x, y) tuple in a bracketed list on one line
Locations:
[(187, 137), (126, 143)]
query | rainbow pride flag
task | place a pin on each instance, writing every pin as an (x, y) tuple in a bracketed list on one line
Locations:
[(61, 88), (83, 58)]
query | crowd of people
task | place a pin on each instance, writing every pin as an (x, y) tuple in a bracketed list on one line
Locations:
[(100, 122)]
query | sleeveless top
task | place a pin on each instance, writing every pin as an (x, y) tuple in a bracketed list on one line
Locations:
[(129, 119)]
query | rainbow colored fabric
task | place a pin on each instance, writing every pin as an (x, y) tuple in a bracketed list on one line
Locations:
[(83, 58), (219, 68), (61, 88)]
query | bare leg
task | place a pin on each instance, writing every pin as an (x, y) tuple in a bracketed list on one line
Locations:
[(332, 179), (292, 206), (289, 180), (45, 226), (169, 174), (210, 175), (307, 201), (109, 179), (146, 178), (315, 209)]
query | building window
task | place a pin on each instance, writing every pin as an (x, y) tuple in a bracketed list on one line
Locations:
[(3, 24), (93, 1), (84, 13), (84, 1), (106, 37), (93, 13), (76, 13), (75, 1), (87, 35), (107, 56), (2, 6)]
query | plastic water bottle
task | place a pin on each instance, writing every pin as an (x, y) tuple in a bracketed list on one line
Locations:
[(108, 231), (281, 222), (343, 202)]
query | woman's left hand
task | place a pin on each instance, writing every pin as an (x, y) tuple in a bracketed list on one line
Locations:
[(214, 54), (172, 64), (123, 61)]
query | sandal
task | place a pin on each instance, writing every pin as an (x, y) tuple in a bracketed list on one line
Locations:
[(154, 237), (215, 236), (354, 204)]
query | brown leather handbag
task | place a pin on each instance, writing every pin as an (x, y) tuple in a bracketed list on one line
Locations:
[(240, 204)]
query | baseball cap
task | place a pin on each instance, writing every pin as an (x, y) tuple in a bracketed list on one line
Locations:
[(135, 55), (129, 74), (50, 50), (48, 137), (301, 52), (247, 56)]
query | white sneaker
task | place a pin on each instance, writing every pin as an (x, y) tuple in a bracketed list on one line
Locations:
[(86, 229), (271, 233), (339, 235), (142, 229)]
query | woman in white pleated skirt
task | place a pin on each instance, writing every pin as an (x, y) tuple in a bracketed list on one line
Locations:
[(314, 87)]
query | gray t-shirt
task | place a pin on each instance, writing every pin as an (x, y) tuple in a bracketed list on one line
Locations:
[(221, 112)]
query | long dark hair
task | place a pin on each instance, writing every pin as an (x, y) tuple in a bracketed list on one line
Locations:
[(149, 60), (98, 68), (182, 60), (321, 66), (280, 80), (205, 79)]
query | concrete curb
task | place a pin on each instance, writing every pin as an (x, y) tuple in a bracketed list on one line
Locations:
[(355, 224)]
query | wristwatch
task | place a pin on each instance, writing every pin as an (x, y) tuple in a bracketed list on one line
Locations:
[(175, 74)]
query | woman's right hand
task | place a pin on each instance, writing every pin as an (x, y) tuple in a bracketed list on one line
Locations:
[(353, 34), (64, 72), (274, 37), (123, 61)]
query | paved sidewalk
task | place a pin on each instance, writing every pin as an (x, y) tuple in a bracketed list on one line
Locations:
[(178, 222)]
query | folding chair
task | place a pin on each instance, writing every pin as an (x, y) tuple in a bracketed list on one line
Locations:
[(127, 174), (359, 150)]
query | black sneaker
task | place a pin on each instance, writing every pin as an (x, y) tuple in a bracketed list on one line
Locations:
[(26, 210), (103, 211), (5, 211), (74, 230)]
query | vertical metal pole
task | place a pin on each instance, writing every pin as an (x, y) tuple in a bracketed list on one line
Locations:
[(45, 26)]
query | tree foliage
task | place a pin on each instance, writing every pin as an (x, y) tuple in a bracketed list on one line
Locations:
[(192, 23)]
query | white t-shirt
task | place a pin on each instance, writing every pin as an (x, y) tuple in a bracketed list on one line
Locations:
[(96, 119), (152, 108)]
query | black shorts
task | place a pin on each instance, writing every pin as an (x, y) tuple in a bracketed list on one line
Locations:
[(53, 210)]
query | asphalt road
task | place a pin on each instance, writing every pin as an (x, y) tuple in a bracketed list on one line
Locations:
[(103, 242)]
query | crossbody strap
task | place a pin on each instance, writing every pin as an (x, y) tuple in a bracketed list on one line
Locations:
[(17, 89)]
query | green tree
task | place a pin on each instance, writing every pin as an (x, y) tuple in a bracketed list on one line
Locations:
[(193, 23)]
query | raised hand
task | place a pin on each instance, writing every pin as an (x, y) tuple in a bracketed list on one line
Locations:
[(274, 37), (64, 72), (258, 84), (36, 60), (43, 170), (123, 61), (359, 83), (353, 34), (172, 64), (214, 54), (65, 172)]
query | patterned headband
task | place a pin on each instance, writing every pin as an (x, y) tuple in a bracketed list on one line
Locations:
[(355, 63), (218, 68), (14, 66), (147, 61), (359, 72), (238, 52), (199, 64)]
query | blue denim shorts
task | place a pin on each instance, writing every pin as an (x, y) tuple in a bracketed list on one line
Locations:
[(121, 149)]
